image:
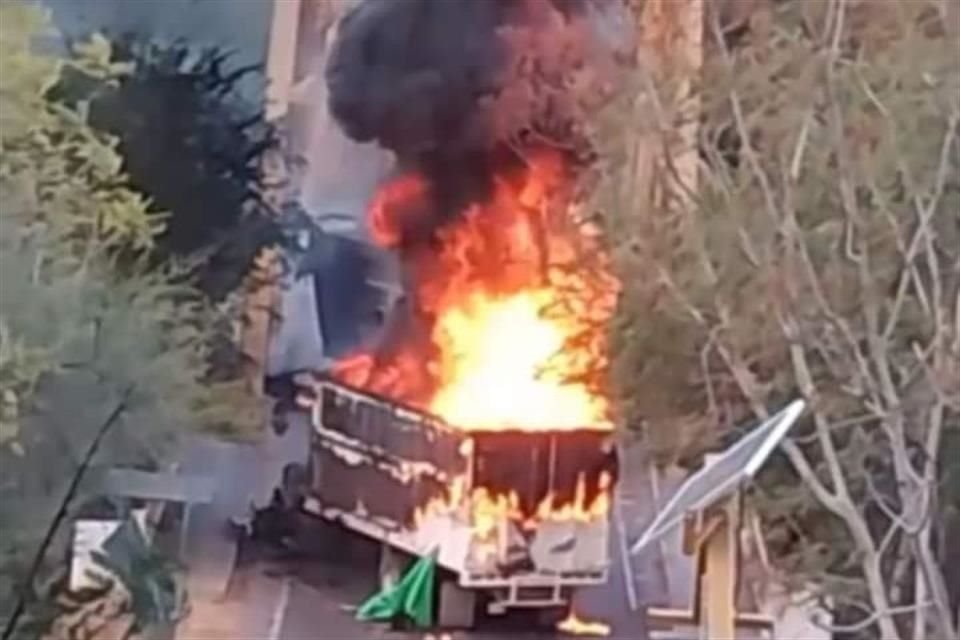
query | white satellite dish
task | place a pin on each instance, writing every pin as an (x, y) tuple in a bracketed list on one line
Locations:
[(724, 474)]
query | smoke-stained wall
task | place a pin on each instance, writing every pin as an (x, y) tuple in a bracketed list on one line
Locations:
[(340, 174)]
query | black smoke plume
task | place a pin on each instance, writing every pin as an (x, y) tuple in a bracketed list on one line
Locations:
[(456, 88)]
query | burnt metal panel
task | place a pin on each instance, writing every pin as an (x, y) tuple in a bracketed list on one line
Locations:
[(535, 464), (590, 453), (376, 454), (388, 460), (346, 479), (513, 461), (396, 432)]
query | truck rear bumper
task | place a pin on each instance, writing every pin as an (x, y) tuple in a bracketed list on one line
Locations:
[(522, 589)]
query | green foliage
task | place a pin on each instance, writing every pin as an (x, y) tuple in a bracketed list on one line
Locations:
[(817, 255), (151, 579), (194, 145), (81, 338), (21, 368), (62, 203), (26, 75)]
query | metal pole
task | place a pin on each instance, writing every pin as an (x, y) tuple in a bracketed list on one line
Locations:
[(720, 549), (184, 530), (263, 296), (282, 56)]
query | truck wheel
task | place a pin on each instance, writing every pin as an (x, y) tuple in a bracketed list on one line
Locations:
[(550, 617), (293, 484), (458, 606)]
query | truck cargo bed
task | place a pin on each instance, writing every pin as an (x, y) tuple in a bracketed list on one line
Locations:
[(381, 468)]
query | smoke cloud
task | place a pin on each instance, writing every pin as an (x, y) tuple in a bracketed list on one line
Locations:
[(458, 88)]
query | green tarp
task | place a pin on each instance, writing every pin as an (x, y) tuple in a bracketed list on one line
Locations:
[(411, 597)]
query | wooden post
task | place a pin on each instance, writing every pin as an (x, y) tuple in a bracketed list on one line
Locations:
[(714, 540), (719, 580), (263, 294), (714, 537), (282, 56)]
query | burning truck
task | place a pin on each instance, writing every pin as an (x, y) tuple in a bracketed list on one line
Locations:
[(519, 516), (477, 428)]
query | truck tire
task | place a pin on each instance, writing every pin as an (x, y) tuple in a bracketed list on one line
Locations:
[(458, 606), (550, 617), (293, 485)]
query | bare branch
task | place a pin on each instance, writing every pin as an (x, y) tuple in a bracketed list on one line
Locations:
[(872, 619), (803, 468), (797, 159), (746, 245), (834, 503), (923, 232), (801, 371), (747, 147), (705, 369), (910, 529), (928, 563)]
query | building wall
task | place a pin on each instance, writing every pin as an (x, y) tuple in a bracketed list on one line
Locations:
[(340, 175)]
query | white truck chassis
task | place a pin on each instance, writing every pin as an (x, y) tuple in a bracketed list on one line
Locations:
[(385, 471)]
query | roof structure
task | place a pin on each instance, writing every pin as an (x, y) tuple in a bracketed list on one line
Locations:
[(169, 487)]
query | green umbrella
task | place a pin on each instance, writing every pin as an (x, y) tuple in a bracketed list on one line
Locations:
[(412, 596)]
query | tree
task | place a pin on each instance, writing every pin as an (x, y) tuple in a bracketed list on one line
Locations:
[(819, 256), (98, 364), (193, 144)]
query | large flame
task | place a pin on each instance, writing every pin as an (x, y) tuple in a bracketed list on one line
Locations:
[(498, 367), (517, 295)]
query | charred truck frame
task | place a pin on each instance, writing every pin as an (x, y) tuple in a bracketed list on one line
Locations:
[(518, 518)]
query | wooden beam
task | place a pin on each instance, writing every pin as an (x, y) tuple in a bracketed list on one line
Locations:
[(719, 580), (259, 307), (263, 294), (282, 56)]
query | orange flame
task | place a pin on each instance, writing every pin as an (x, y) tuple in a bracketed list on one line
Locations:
[(487, 510), (499, 367), (395, 205), (517, 293), (579, 509), (509, 317), (579, 627)]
